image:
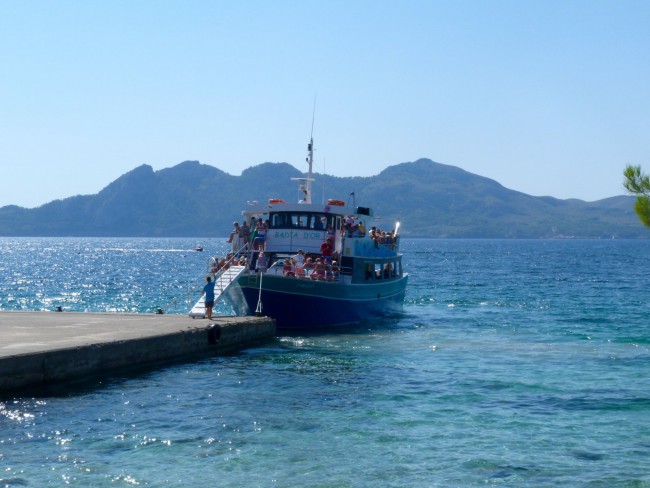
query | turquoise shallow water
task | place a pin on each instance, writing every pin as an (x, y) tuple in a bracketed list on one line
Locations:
[(515, 363)]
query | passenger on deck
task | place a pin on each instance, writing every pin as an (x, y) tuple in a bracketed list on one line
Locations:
[(327, 248), (287, 268), (308, 266), (252, 236), (375, 235), (300, 272), (234, 237), (354, 228), (349, 225), (299, 258), (319, 270), (330, 232), (260, 234), (336, 271), (328, 272), (244, 234)]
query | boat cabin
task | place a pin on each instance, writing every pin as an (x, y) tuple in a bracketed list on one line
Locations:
[(306, 226)]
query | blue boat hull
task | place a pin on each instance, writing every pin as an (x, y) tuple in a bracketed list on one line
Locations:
[(306, 304)]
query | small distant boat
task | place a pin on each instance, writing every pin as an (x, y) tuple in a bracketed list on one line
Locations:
[(362, 280), (198, 249)]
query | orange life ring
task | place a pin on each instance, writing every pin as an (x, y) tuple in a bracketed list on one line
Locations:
[(276, 200), (338, 203)]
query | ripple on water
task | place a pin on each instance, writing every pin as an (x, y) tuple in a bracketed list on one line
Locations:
[(515, 363)]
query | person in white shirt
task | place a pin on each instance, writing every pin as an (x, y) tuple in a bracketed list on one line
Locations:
[(299, 258)]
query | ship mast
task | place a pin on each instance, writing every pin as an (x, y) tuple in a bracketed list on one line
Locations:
[(305, 183), (310, 174)]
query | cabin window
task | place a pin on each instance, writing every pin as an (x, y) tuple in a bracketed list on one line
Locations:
[(318, 222), (298, 221), (279, 221), (301, 220)]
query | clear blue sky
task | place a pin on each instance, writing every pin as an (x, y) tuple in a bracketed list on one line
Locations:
[(546, 97)]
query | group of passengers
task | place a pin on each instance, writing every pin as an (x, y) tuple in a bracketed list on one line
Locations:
[(320, 268), (353, 227), (382, 237), (253, 233), (222, 264)]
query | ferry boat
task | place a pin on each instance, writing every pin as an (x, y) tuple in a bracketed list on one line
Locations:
[(355, 273)]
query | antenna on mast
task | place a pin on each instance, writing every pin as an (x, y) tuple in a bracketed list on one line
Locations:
[(313, 117), (305, 183)]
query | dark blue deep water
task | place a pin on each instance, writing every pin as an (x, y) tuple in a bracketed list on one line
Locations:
[(515, 363)]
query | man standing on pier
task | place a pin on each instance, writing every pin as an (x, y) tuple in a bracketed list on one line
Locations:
[(208, 290)]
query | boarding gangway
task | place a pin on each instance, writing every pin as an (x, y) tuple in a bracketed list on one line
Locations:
[(223, 281)]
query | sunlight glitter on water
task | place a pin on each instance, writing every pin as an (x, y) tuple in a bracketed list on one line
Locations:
[(537, 376)]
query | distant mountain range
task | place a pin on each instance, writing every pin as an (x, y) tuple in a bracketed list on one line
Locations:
[(430, 199)]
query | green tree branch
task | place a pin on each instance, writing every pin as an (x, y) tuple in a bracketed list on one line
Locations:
[(638, 183)]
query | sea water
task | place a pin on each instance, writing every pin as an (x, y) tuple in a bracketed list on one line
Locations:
[(515, 363)]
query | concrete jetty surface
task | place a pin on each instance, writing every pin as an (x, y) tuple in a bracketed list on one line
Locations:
[(41, 348)]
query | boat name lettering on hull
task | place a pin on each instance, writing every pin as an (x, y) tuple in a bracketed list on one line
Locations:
[(298, 235), (286, 235)]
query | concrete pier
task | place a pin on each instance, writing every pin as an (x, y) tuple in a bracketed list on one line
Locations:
[(42, 348)]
